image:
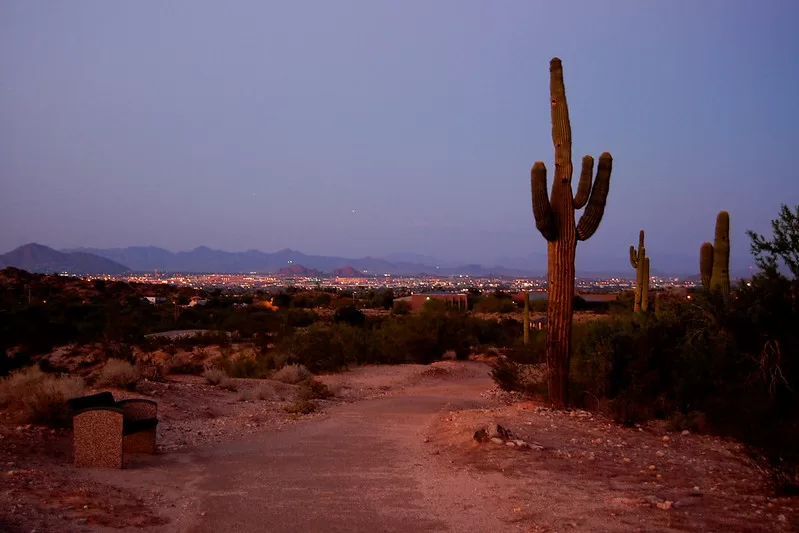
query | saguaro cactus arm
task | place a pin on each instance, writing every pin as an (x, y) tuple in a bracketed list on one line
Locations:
[(592, 215), (542, 210), (706, 263), (633, 257), (584, 187)]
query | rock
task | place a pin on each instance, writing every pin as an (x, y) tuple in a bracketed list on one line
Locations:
[(666, 505), (510, 443), (660, 453), (666, 438), (495, 430), (497, 440), (782, 518), (481, 435), (685, 433), (626, 460), (652, 467)]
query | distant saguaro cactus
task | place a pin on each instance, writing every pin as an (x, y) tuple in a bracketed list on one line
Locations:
[(526, 318), (554, 218), (640, 262), (714, 259)]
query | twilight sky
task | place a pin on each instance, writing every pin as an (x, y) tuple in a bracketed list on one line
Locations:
[(368, 127)]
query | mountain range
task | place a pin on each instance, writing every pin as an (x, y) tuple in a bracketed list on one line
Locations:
[(38, 258)]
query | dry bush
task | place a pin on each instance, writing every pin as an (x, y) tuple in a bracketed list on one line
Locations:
[(42, 395), (120, 374), (219, 378), (262, 391), (313, 390), (293, 374), (265, 392), (301, 407)]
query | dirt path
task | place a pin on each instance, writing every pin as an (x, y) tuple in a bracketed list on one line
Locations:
[(404, 460), (364, 467)]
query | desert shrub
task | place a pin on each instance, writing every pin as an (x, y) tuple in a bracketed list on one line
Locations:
[(723, 365), (292, 374), (313, 390), (120, 374), (301, 407), (349, 315), (265, 392), (214, 376), (119, 351), (42, 395), (506, 374), (495, 304), (248, 365), (401, 308), (185, 365), (219, 378)]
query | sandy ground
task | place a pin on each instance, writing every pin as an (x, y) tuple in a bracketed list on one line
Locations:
[(393, 451)]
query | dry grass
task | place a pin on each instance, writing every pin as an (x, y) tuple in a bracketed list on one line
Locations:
[(219, 378), (293, 374), (120, 374), (43, 396)]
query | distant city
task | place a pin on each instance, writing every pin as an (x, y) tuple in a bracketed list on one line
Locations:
[(401, 284)]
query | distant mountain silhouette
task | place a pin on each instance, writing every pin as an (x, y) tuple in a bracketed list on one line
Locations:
[(203, 259), (42, 259), (346, 272), (207, 260), (298, 270)]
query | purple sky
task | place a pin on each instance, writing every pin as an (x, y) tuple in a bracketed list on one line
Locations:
[(364, 128)]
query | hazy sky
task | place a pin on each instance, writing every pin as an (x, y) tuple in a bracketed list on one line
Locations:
[(368, 127)]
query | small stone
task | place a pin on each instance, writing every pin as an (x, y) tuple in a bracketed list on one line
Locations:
[(782, 518), (652, 467), (426, 439), (666, 505), (660, 453), (626, 460), (497, 440), (481, 435), (510, 443), (666, 438), (685, 433), (202, 513), (11, 472)]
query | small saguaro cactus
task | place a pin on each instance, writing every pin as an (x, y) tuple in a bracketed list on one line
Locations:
[(640, 262), (526, 318), (714, 259), (554, 218)]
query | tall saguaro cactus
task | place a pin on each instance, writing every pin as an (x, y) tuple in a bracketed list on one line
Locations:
[(554, 218), (640, 262), (714, 259)]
